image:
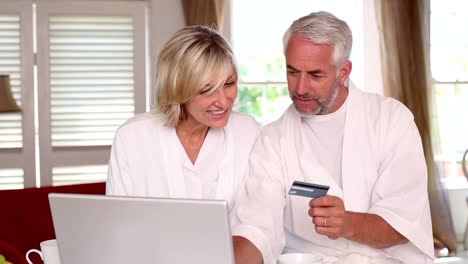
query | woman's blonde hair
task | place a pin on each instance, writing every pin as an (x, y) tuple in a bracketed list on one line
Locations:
[(193, 57)]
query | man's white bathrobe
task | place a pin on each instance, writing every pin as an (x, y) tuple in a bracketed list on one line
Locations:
[(383, 173), (148, 160)]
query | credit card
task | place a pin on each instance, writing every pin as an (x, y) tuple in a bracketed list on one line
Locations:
[(310, 190)]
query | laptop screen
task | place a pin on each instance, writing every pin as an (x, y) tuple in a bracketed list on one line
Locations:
[(112, 230)]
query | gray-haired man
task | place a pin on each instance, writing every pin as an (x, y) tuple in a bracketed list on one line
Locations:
[(366, 147)]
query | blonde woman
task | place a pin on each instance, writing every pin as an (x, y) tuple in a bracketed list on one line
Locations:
[(193, 145)]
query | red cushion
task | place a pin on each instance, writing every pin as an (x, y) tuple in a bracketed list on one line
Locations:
[(26, 220)]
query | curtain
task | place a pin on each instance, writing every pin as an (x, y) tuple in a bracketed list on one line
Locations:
[(204, 12), (404, 50)]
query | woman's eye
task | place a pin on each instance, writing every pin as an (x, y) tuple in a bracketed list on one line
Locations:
[(205, 91), (229, 83)]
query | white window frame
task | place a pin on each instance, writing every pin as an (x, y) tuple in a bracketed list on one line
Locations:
[(449, 174), (51, 157), (24, 157)]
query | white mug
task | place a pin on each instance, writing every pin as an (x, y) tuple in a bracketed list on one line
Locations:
[(49, 252), (299, 258)]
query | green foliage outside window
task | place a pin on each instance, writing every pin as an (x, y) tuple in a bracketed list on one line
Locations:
[(264, 102), (250, 100), (268, 97)]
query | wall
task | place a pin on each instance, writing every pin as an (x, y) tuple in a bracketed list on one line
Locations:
[(165, 18)]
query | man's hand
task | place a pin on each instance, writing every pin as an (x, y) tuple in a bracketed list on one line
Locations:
[(332, 220), (329, 216)]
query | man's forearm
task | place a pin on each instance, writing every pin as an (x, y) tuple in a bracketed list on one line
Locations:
[(245, 251), (372, 230)]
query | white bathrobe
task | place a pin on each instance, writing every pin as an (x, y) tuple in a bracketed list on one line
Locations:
[(147, 159), (383, 173)]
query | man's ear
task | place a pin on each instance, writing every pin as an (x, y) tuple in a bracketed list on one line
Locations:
[(345, 71)]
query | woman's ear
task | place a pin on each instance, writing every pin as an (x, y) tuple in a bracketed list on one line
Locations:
[(182, 112)]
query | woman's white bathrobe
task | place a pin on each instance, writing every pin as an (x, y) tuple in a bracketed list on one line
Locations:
[(147, 158), (383, 173)]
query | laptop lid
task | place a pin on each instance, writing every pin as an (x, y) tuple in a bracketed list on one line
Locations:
[(121, 230)]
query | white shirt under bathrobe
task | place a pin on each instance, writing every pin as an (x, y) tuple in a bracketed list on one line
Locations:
[(148, 160), (383, 172)]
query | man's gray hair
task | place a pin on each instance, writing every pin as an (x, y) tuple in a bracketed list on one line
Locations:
[(323, 28)]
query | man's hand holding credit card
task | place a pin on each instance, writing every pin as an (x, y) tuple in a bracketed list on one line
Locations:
[(312, 191), (307, 189)]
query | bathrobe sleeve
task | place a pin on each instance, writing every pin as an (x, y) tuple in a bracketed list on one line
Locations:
[(245, 131), (118, 180), (258, 214), (400, 192)]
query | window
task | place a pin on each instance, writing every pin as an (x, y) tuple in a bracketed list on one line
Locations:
[(17, 153), (257, 33), (90, 78), (449, 65)]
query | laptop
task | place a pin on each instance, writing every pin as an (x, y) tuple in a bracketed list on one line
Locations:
[(102, 229)]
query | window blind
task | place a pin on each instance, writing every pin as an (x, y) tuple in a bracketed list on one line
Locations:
[(11, 178), (10, 64), (91, 66), (78, 174)]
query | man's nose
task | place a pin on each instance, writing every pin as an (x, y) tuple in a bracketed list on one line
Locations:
[(302, 84)]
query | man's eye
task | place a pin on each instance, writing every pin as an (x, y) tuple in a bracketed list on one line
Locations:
[(229, 83)]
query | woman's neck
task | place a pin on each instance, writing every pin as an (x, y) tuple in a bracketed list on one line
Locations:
[(191, 135)]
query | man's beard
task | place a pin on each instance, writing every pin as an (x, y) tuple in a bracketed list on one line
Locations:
[(323, 104)]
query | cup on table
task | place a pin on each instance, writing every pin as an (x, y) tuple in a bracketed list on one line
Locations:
[(299, 258), (48, 253)]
